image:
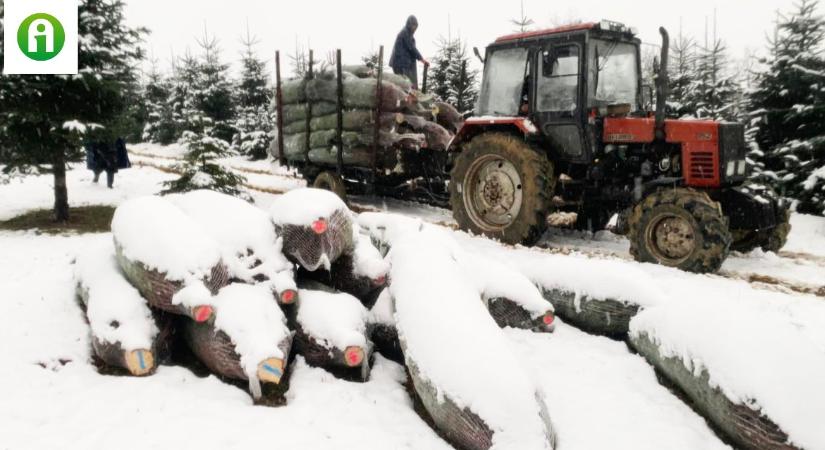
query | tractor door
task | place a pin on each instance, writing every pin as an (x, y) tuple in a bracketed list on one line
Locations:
[(558, 99)]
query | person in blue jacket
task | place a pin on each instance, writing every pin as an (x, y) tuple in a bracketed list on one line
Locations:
[(405, 54)]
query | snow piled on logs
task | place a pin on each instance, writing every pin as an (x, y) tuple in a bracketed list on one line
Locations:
[(111, 299), (153, 231), (334, 320), (766, 353), (245, 233), (292, 207), (457, 346), (617, 279), (367, 260), (254, 323)]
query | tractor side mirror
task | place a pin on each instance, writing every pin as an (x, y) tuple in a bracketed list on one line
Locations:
[(478, 55), (548, 60)]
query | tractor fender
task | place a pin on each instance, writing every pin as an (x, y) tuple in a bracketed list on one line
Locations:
[(474, 126)]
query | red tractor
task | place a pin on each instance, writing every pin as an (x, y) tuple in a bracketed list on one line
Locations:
[(561, 127)]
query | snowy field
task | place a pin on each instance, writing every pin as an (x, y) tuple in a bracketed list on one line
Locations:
[(760, 337)]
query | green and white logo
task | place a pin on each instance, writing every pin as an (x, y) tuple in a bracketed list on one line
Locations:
[(41, 37)]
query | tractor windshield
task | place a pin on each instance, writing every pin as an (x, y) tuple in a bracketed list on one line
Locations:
[(613, 74), (503, 86)]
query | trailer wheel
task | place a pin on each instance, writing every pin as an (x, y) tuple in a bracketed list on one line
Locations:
[(680, 228), (772, 240), (502, 188), (330, 181)]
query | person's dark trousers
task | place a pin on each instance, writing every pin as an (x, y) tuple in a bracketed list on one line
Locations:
[(411, 73), (110, 177)]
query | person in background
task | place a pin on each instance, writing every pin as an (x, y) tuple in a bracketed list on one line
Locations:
[(405, 54), (104, 157)]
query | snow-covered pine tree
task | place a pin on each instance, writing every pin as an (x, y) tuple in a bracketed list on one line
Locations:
[(714, 90), (522, 23), (254, 124), (44, 117), (452, 78), (682, 73), (160, 115), (200, 169), (788, 111), (213, 90)]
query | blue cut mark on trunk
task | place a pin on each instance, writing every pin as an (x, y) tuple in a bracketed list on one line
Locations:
[(140, 360), (272, 370)]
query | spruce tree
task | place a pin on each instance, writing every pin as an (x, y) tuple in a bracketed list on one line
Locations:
[(788, 111), (160, 118), (682, 73), (200, 169), (452, 79), (522, 23), (714, 89), (44, 117), (213, 90), (254, 124)]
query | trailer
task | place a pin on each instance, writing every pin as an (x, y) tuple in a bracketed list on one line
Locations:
[(409, 162)]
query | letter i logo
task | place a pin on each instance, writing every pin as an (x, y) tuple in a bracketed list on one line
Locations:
[(41, 37)]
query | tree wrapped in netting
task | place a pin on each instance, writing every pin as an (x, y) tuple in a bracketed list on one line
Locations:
[(124, 331), (445, 329), (161, 251), (249, 245), (332, 331), (315, 225), (361, 273), (248, 339), (409, 121)]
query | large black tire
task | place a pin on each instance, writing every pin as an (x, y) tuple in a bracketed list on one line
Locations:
[(680, 228), (772, 240), (515, 182), (329, 181)]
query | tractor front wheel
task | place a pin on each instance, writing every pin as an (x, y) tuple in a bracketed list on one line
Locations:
[(501, 187), (680, 228), (771, 240)]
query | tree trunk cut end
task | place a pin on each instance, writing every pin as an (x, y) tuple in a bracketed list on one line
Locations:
[(271, 370), (140, 362)]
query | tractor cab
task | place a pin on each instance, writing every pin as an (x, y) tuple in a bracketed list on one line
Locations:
[(560, 78)]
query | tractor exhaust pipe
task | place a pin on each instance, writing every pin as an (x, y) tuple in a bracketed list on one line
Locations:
[(662, 86)]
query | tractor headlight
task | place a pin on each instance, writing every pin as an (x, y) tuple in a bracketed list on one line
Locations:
[(742, 169), (731, 169)]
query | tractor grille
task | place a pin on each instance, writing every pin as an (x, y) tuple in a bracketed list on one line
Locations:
[(702, 166)]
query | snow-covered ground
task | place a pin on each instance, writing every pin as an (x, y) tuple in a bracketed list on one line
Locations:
[(599, 394)]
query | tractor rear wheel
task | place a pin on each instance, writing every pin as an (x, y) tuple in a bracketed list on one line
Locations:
[(680, 228), (502, 188), (330, 181)]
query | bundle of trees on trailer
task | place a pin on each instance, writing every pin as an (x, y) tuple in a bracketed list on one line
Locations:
[(405, 119)]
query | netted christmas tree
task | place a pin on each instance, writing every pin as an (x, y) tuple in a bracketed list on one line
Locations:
[(254, 123), (788, 111), (451, 77)]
